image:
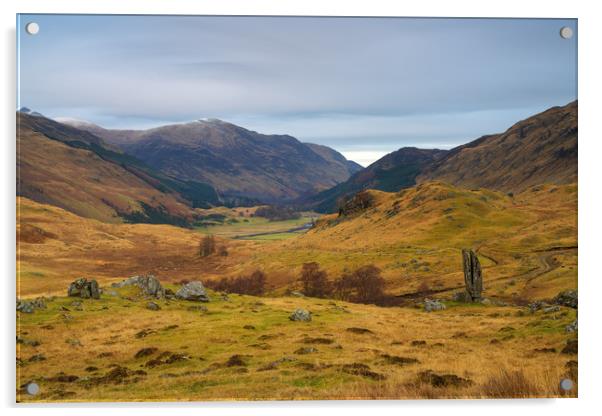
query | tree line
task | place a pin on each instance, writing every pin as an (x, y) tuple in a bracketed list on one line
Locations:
[(363, 285)]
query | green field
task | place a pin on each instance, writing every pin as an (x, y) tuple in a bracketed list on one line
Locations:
[(257, 228)]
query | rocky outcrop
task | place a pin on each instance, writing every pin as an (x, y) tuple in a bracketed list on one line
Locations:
[(29, 306), (433, 305), (300, 315), (473, 278), (567, 298), (193, 291), (149, 285), (84, 288)]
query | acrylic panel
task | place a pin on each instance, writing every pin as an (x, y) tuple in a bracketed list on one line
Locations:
[(283, 208)]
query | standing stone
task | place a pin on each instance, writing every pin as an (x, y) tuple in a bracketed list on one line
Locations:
[(472, 276)]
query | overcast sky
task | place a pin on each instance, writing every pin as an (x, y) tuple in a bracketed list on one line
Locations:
[(364, 86)]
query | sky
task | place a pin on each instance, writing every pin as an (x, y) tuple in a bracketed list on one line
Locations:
[(363, 86)]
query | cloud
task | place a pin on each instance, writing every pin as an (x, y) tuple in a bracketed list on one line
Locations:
[(384, 81)]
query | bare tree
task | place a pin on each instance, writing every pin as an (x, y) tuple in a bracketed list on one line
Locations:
[(207, 246), (314, 281)]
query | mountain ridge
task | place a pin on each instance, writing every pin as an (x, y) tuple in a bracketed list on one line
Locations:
[(236, 161)]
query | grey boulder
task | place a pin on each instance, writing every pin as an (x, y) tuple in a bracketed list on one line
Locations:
[(567, 298), (433, 305), (149, 285), (300, 315), (84, 288), (194, 291)]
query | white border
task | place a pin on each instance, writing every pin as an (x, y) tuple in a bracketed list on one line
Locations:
[(590, 210)]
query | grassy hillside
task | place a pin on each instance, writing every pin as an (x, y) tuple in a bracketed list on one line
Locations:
[(75, 170), (526, 243), (540, 149), (246, 348), (393, 172)]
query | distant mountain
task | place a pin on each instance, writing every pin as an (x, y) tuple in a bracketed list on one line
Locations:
[(393, 172), (239, 163), (335, 157), (74, 169), (541, 149)]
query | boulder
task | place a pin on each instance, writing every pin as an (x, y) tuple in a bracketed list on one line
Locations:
[(433, 305), (193, 291), (149, 285), (572, 327), (567, 298), (153, 306), (29, 306), (84, 288), (300, 315)]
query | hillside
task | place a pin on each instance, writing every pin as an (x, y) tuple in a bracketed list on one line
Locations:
[(540, 149), (393, 172), (76, 170), (238, 162), (527, 243)]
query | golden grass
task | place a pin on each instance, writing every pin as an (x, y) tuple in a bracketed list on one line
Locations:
[(458, 341)]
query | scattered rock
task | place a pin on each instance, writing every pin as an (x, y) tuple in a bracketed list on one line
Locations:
[(571, 347), (274, 364), (461, 297), (297, 294), (144, 352), (153, 306), (250, 327), (358, 369), (443, 380), (193, 291), (300, 315), (418, 343), (91, 369), (36, 358), (433, 305), (29, 306), (84, 288), (149, 285), (567, 298), (357, 330), (550, 309), (306, 350), (572, 327)]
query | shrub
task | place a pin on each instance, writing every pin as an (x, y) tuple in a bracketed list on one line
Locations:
[(314, 281), (253, 284), (364, 285), (207, 246)]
